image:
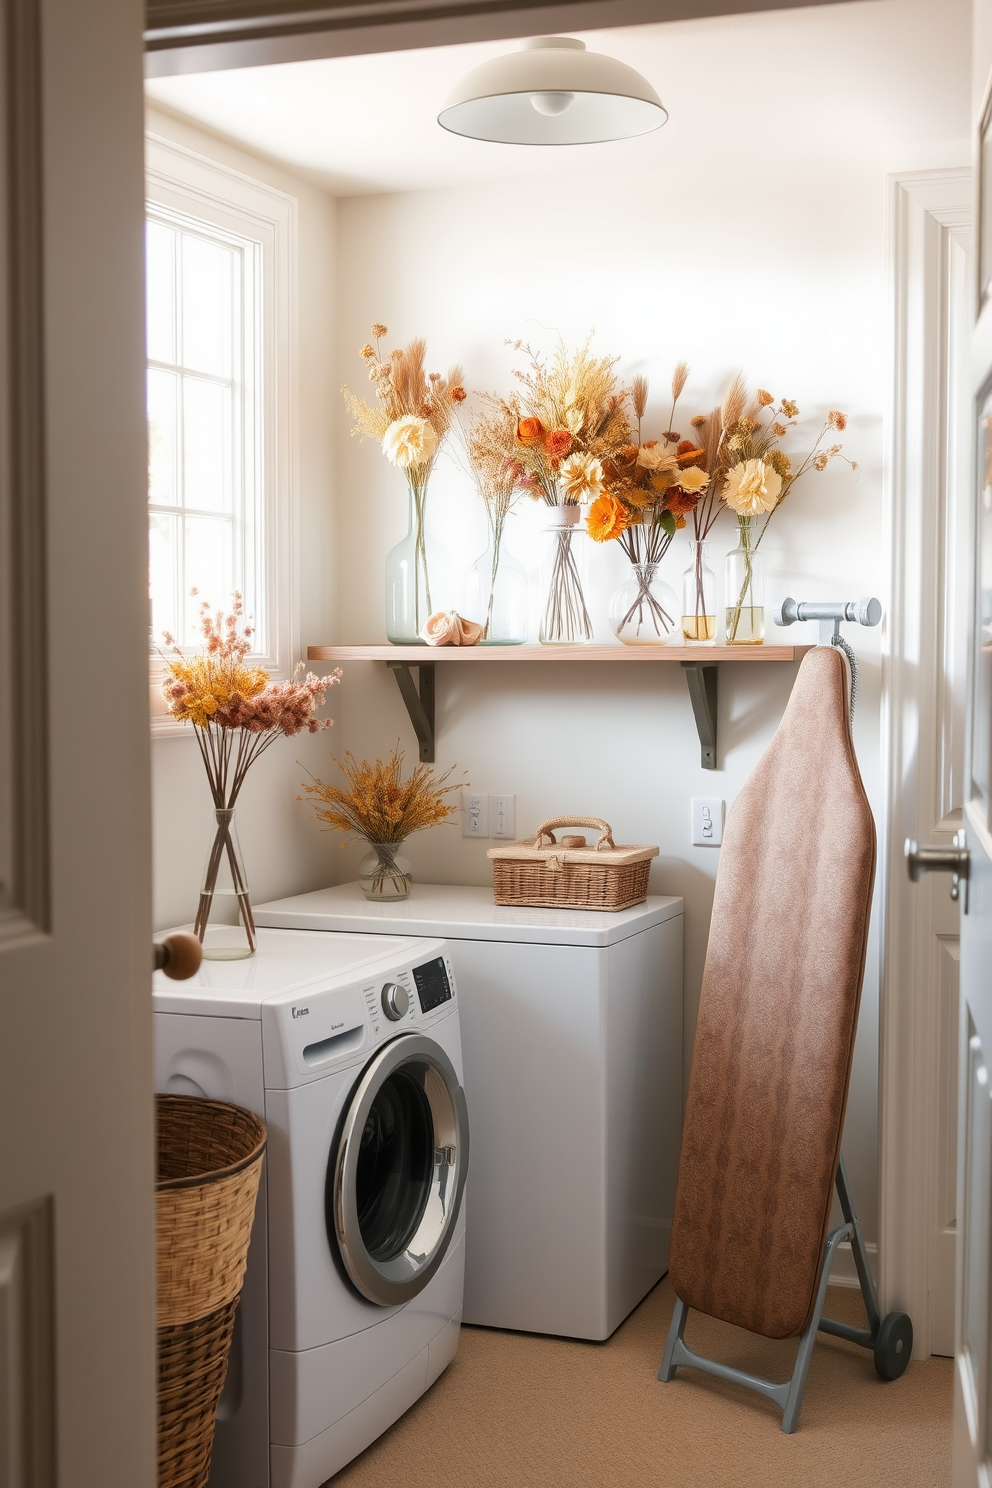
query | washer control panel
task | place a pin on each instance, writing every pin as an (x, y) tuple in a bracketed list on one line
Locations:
[(433, 987), (395, 1001)]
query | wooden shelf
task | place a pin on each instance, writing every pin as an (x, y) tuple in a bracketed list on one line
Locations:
[(419, 655), (700, 664)]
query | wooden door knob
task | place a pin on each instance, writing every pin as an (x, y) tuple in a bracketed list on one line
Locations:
[(178, 955)]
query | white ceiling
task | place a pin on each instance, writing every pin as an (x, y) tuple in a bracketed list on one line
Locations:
[(846, 76)]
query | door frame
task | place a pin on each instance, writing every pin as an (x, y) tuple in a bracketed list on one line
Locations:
[(931, 216)]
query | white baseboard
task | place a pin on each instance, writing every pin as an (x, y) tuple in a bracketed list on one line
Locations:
[(843, 1272)]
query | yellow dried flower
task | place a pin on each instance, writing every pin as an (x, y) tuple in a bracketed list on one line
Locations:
[(366, 352), (778, 430), (780, 462), (790, 408)]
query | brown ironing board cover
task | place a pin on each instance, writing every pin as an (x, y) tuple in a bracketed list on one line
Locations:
[(777, 1018)]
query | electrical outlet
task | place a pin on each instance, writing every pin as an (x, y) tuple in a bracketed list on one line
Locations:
[(503, 815), (707, 821), (475, 814)]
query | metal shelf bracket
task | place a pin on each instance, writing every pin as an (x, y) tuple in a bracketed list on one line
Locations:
[(419, 702), (702, 679)]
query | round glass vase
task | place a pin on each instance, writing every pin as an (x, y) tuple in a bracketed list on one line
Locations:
[(699, 597), (225, 925), (384, 874), (495, 596), (644, 610), (408, 590), (565, 619), (745, 592)]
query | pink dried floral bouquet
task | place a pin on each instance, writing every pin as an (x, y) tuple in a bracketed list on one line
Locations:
[(236, 712)]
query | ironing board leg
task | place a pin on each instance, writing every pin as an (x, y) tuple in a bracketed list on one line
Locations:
[(675, 1332), (793, 1405)]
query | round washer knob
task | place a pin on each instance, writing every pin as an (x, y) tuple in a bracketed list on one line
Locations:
[(395, 1001)]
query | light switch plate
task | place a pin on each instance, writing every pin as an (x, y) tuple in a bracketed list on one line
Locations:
[(502, 816), (475, 814), (707, 821)]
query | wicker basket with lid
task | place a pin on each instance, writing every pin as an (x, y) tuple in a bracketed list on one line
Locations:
[(545, 873)]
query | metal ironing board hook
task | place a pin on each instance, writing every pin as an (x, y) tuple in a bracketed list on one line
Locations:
[(832, 614)]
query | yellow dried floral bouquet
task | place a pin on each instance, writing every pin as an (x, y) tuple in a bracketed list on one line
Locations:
[(378, 806)]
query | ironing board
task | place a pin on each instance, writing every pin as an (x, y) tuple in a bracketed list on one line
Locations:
[(761, 1146)]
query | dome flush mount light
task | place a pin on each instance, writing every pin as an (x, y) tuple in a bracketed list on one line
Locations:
[(553, 92)]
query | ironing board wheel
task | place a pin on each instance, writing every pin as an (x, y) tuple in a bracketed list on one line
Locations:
[(893, 1346)]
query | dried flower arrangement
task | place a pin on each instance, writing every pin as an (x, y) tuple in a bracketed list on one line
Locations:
[(754, 474), (649, 489), (411, 420), (237, 712), (550, 438), (378, 806)]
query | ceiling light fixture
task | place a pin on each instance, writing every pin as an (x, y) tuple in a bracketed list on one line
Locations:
[(553, 92)]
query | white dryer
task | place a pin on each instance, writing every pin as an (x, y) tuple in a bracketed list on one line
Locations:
[(349, 1047)]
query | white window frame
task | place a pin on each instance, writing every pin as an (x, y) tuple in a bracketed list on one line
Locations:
[(186, 184)]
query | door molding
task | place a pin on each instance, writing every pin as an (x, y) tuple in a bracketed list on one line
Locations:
[(24, 806), (930, 222)]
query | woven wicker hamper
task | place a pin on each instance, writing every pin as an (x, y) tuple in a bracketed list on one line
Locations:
[(545, 873), (209, 1162)]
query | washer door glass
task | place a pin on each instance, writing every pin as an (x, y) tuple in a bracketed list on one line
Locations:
[(396, 1174)]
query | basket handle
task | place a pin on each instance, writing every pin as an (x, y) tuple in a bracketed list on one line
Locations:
[(546, 829)]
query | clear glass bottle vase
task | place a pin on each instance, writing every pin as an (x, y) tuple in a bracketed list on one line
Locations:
[(699, 597), (745, 591), (495, 595), (384, 874), (408, 590), (225, 925), (644, 610), (565, 620)]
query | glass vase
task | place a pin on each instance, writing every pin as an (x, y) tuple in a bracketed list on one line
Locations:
[(225, 925), (745, 591), (408, 590), (699, 597), (644, 610), (496, 597), (565, 621), (384, 874)]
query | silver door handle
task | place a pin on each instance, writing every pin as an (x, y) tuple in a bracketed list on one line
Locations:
[(954, 860)]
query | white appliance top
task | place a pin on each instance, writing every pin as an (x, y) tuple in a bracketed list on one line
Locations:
[(458, 912), (285, 962)]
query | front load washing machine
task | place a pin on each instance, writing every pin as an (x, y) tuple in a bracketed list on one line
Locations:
[(348, 1046)]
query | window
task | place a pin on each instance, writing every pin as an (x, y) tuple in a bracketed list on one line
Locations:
[(220, 346), (204, 419)]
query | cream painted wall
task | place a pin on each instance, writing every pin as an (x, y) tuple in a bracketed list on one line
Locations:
[(760, 244), (283, 853)]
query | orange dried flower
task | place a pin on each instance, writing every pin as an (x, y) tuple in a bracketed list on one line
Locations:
[(457, 394), (764, 398), (557, 444), (838, 420), (607, 518), (680, 502), (688, 453), (530, 431)]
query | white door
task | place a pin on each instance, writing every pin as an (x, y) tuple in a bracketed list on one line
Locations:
[(973, 1354), (77, 1358)]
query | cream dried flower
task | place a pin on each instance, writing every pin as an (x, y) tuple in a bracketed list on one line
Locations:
[(693, 479), (378, 330), (409, 441), (581, 478), (657, 458), (752, 488)]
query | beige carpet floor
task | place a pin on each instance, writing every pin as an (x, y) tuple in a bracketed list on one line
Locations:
[(515, 1410)]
